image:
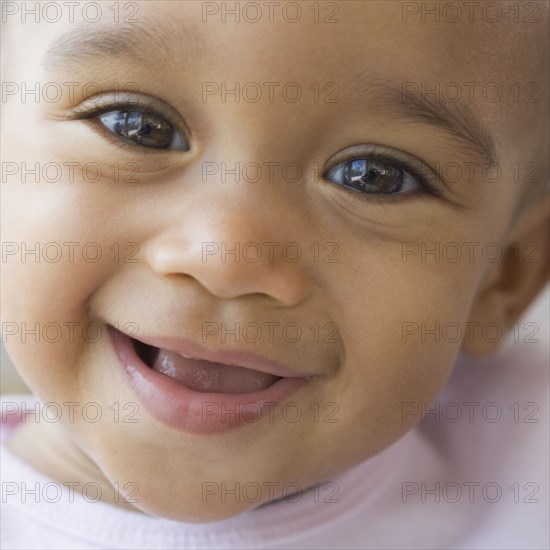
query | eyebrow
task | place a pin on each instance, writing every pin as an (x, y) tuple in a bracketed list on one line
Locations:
[(457, 119), (144, 43)]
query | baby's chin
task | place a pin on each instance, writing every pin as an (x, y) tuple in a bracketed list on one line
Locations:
[(193, 510), (208, 501)]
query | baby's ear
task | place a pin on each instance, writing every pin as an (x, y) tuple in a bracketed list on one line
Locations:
[(511, 284)]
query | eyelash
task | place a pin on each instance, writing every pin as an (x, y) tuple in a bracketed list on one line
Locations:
[(85, 113), (425, 187)]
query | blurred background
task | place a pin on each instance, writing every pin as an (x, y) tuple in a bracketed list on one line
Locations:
[(10, 382)]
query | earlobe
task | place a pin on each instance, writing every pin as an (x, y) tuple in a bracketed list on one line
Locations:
[(512, 284)]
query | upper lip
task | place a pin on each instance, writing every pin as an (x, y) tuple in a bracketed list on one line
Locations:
[(238, 358)]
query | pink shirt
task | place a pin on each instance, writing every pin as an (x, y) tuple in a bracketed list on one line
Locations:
[(473, 475)]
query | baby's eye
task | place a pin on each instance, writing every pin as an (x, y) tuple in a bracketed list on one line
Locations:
[(145, 129), (372, 176)]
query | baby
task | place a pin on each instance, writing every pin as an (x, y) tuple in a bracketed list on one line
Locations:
[(266, 270)]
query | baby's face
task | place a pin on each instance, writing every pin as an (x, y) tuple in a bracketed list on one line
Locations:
[(333, 291)]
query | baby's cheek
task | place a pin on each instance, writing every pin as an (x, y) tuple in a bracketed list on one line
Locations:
[(54, 259), (380, 392), (47, 327), (399, 349)]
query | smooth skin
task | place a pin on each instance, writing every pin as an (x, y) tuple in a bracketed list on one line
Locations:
[(369, 293)]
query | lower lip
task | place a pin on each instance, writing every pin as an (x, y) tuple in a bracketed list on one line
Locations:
[(186, 410)]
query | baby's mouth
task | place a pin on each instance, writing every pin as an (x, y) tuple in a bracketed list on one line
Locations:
[(201, 375)]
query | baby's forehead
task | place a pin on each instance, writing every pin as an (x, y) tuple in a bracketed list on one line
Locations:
[(430, 54), (333, 41), (378, 33)]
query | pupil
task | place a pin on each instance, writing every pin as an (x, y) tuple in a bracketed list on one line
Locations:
[(147, 129), (363, 175), (133, 123)]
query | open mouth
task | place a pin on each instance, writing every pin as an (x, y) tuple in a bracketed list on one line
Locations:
[(203, 390), (202, 375)]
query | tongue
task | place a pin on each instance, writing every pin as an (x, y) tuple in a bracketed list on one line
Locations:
[(205, 376)]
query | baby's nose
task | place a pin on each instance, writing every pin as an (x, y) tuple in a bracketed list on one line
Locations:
[(233, 251)]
